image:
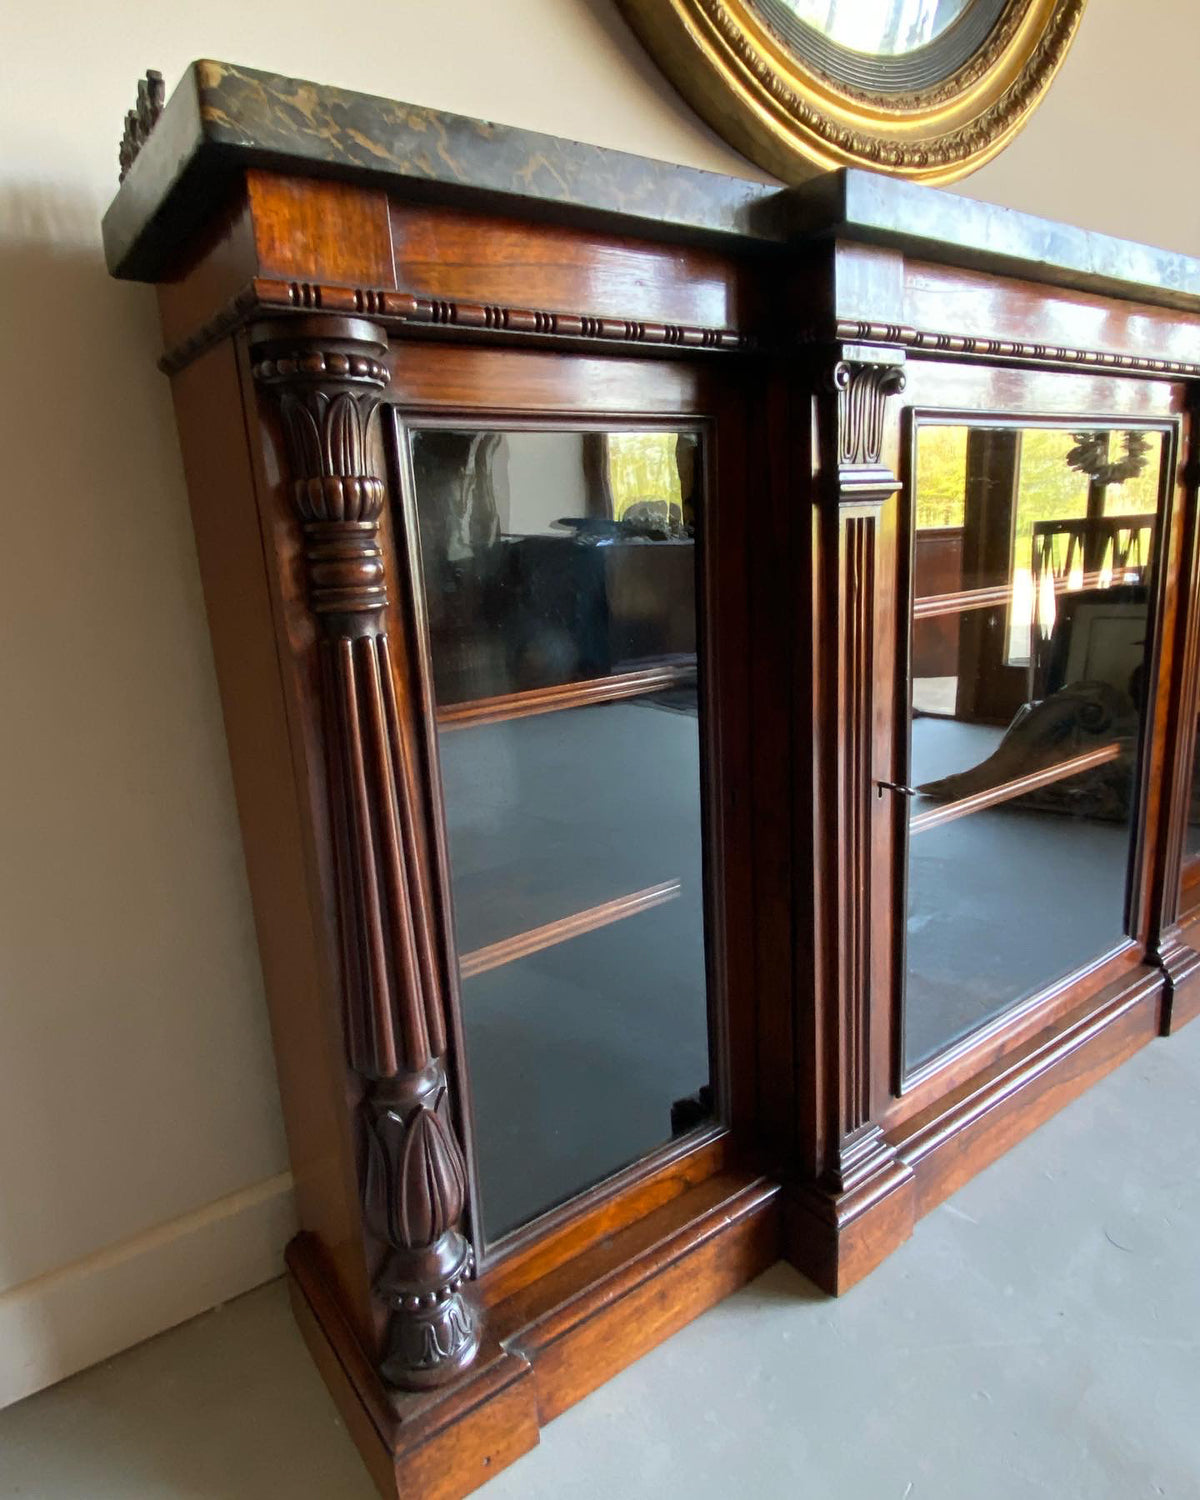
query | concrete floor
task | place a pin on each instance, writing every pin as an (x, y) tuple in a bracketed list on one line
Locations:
[(1040, 1336)]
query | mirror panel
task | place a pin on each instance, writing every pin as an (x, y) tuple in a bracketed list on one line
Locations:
[(884, 28), (1191, 835), (1191, 831), (560, 583), (1029, 656)]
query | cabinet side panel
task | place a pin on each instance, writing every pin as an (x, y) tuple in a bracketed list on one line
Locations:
[(212, 430)]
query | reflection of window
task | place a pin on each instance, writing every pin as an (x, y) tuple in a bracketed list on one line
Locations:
[(939, 516), (1073, 531), (1007, 525), (553, 557), (1047, 490), (642, 471), (886, 27), (941, 478)]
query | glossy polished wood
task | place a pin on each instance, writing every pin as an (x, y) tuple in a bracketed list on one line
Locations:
[(804, 353)]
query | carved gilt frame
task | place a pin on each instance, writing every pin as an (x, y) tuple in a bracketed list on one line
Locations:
[(798, 107)]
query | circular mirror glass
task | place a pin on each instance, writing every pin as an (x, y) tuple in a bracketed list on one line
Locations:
[(880, 28)]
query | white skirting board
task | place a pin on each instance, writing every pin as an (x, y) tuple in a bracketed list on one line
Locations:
[(87, 1311)]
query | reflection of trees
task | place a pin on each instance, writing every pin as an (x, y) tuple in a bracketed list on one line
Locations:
[(1048, 489), (941, 476), (1051, 491), (642, 467), (912, 23)]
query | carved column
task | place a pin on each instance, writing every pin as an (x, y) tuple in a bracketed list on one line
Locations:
[(856, 1167), (328, 376), (864, 482)]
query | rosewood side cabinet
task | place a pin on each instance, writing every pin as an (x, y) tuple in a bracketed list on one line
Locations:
[(711, 678)]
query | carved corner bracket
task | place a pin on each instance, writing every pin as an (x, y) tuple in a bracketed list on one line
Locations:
[(328, 377), (139, 122), (862, 387)]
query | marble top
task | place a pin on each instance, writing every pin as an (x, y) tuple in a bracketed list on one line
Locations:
[(222, 118)]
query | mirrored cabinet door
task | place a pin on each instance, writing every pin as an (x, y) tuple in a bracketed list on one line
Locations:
[(1029, 658), (1191, 832), (560, 581)]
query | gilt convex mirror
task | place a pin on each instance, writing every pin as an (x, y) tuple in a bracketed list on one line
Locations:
[(924, 89)]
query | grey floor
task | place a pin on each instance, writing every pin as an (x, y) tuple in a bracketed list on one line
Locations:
[(1039, 1336)]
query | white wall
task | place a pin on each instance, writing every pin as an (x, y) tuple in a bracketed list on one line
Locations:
[(142, 1164)]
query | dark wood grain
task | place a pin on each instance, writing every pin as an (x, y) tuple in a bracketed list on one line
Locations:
[(1172, 886), (299, 224), (727, 1237), (459, 256)]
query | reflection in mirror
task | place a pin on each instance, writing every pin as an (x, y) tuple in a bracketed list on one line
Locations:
[(560, 584), (555, 558), (1191, 836), (884, 28), (1029, 657)]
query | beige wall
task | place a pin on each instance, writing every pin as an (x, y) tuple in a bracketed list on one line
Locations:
[(142, 1165), (1111, 145)]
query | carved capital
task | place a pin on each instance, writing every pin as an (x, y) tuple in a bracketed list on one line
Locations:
[(862, 388), (328, 377)]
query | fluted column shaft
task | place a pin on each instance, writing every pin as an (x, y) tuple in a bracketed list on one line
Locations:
[(858, 384)]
